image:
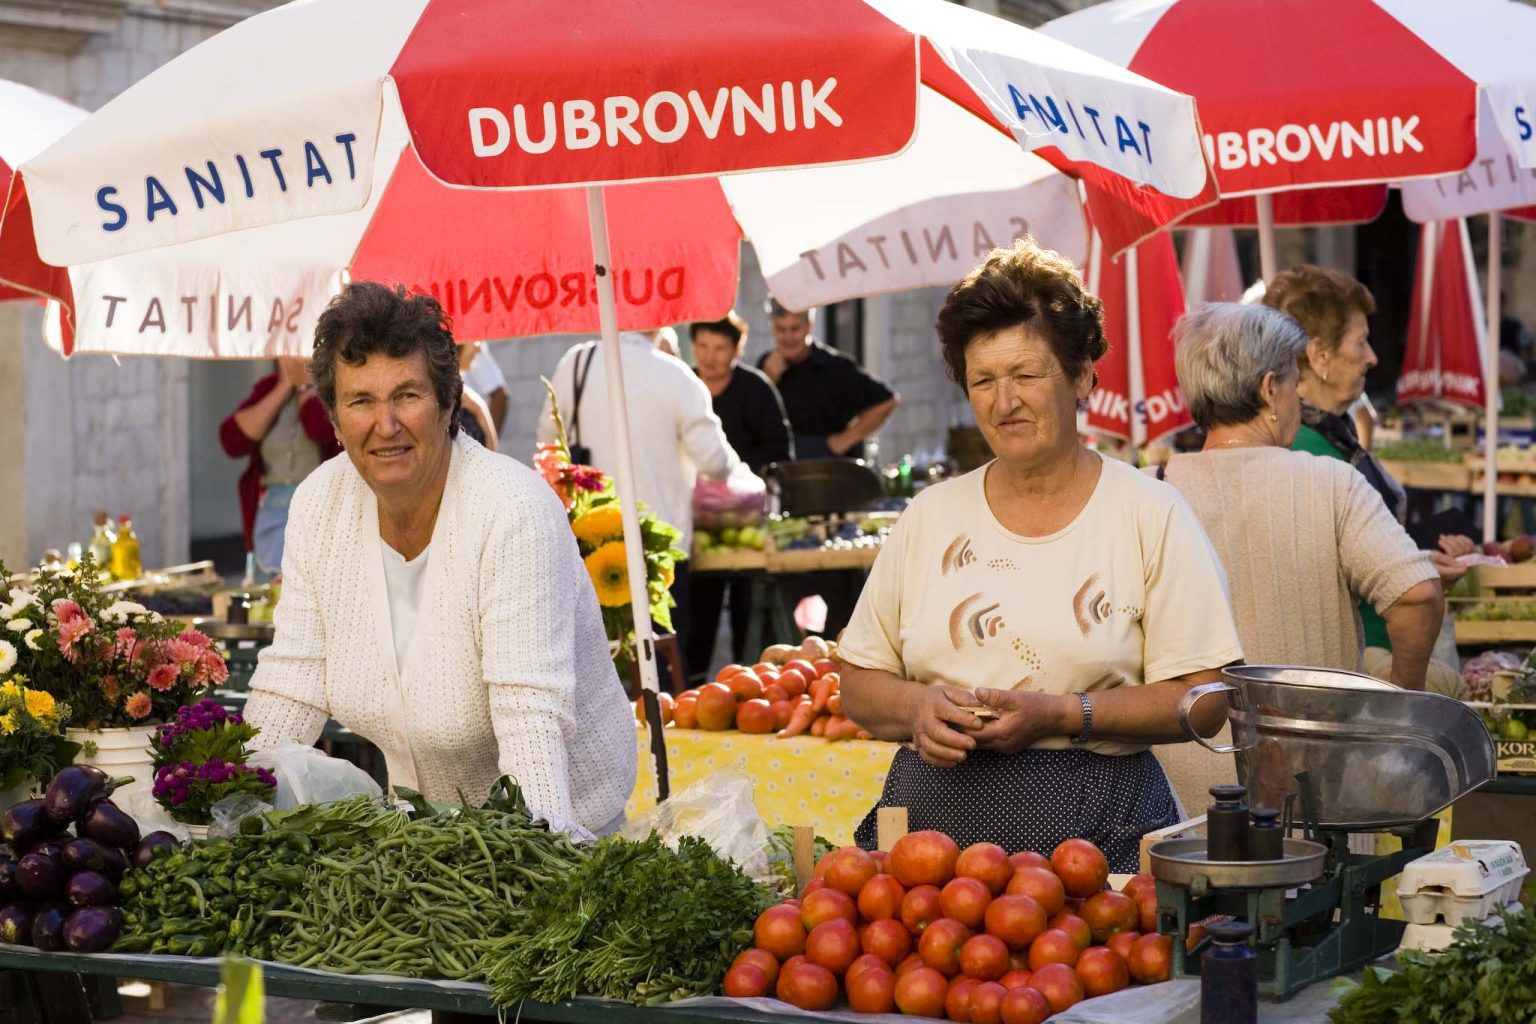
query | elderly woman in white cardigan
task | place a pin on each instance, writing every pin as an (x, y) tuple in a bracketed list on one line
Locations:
[(434, 601), (1303, 538)]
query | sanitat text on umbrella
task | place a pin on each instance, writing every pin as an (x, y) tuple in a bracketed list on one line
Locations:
[(217, 182)]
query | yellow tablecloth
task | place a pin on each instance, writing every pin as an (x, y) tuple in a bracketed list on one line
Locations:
[(801, 781)]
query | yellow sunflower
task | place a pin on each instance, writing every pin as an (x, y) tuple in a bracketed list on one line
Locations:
[(40, 704), (610, 574), (602, 523)]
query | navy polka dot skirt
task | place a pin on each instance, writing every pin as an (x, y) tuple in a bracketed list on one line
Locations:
[(1033, 800)]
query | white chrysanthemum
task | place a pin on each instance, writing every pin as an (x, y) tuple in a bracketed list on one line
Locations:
[(119, 611), (7, 612), (19, 625), (7, 656), (32, 639)]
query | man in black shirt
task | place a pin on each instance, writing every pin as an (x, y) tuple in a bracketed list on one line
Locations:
[(755, 424), (833, 405)]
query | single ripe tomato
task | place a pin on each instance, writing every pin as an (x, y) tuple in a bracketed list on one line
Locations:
[(965, 900), (865, 962), (745, 981), (1108, 912), (872, 991), (833, 944), (920, 908), (1101, 971), (849, 869), (1074, 926), (1014, 979), (987, 1003), (984, 957), (1025, 1006), (923, 858), (957, 1004), (1028, 859), (1040, 885), (1052, 947), (986, 862), (1081, 866), (941, 943), (1059, 984), (780, 931), (920, 992), (825, 904), (762, 960), (888, 939), (1151, 959), (1121, 942), (1017, 920), (881, 898), (807, 986)]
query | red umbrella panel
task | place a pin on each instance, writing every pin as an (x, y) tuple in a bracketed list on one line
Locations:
[(1138, 397), (1443, 355)]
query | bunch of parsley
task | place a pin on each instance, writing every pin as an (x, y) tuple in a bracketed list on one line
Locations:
[(1488, 976), (635, 921)]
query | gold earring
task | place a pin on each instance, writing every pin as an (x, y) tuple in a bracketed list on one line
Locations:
[(1273, 418)]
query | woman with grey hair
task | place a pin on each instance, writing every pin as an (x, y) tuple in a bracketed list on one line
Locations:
[(1301, 538)]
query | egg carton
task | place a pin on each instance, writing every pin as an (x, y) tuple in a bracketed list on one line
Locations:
[(1437, 938), (1465, 881)]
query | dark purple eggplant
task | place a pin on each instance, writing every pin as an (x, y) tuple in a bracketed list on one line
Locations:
[(48, 927), (86, 855), (26, 824), (53, 849), (92, 929), (73, 790), (10, 892), (108, 825), (90, 889), (40, 877), (16, 924), (152, 846)]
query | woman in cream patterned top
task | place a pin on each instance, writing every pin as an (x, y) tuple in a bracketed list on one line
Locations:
[(1073, 597)]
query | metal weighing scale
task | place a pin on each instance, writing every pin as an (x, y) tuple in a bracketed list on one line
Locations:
[(1340, 753)]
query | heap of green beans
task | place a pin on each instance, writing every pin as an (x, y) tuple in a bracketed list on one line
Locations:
[(221, 895), (427, 900)]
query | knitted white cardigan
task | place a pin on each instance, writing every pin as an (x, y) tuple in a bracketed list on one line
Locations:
[(508, 668)]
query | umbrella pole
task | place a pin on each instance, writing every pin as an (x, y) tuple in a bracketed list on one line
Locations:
[(1491, 378), (1267, 259), (1136, 387), (624, 470), (1197, 265)]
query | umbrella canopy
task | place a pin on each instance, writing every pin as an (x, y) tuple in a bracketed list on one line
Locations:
[(1443, 358), (495, 96), (1299, 94), (29, 122), (1138, 398)]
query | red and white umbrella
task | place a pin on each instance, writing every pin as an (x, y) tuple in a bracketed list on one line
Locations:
[(1443, 357), (29, 122), (1138, 398), (1295, 95), (281, 118)]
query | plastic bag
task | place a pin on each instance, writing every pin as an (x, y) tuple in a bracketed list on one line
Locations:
[(306, 775), (142, 807), (720, 810), (738, 500), (228, 813)]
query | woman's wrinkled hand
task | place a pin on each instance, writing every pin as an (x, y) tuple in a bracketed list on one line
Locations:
[(1449, 567), (941, 727), (1024, 718), (1456, 545)]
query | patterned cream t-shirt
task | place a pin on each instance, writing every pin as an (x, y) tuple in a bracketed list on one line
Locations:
[(1130, 592)]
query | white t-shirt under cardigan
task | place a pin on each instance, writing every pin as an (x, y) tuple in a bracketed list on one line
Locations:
[(507, 670)]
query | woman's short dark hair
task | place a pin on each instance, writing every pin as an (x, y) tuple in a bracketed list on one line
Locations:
[(1320, 300), (369, 318), (731, 326), (1023, 285)]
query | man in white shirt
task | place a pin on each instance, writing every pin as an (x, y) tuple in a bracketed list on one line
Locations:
[(484, 376), (675, 435)]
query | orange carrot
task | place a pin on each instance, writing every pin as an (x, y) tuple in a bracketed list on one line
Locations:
[(842, 728), (821, 689), (864, 734), (819, 727), (835, 702), (799, 719)]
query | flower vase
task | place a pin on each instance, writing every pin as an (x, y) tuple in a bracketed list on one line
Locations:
[(120, 752)]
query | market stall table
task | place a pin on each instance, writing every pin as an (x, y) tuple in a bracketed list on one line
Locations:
[(804, 780)]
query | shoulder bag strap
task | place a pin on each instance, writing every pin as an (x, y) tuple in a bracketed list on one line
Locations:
[(579, 373)]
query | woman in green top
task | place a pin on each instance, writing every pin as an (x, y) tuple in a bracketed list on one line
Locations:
[(1332, 308)]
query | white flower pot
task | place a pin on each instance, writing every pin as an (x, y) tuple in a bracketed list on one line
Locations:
[(120, 752)]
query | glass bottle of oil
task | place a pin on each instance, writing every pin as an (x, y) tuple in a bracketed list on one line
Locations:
[(125, 552), (101, 542)]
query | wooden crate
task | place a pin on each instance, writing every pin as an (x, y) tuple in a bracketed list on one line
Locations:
[(1493, 581), (819, 559), (1183, 830), (1431, 476), (730, 560), (1473, 632)]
